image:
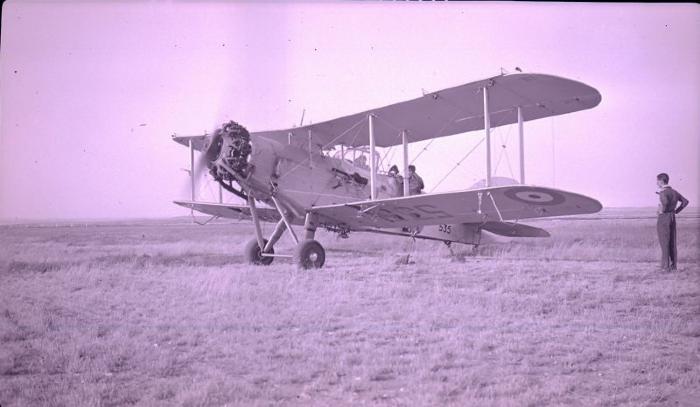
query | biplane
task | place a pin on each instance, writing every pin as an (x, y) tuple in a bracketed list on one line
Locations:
[(326, 175)]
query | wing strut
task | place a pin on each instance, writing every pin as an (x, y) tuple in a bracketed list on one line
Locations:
[(493, 201), (311, 162), (487, 127), (521, 132), (405, 162), (191, 146), (372, 160)]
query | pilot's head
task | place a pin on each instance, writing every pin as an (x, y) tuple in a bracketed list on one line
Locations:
[(411, 169), (394, 170), (662, 179)]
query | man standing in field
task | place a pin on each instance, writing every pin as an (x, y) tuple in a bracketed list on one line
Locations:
[(666, 222)]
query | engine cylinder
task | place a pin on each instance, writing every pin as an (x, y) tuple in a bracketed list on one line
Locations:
[(232, 148)]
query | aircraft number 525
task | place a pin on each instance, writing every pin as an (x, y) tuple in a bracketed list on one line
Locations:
[(445, 228)]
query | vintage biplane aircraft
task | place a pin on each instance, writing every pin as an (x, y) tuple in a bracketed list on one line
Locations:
[(295, 174)]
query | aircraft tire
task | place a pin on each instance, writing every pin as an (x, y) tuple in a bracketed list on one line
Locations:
[(309, 254), (253, 254)]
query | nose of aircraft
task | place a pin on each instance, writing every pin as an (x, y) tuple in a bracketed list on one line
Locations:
[(230, 148), (226, 149)]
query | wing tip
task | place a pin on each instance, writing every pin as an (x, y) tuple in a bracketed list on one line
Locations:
[(186, 204)]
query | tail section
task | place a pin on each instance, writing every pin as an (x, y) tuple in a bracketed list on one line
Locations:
[(470, 233)]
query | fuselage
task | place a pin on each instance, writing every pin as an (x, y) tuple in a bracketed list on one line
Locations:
[(303, 178)]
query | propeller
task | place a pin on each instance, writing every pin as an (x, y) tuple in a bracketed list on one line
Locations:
[(211, 151), (203, 160), (232, 138)]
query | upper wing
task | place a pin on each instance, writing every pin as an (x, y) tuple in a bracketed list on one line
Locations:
[(471, 206), (451, 111), (231, 211)]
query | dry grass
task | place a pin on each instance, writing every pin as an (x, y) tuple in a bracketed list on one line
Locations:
[(167, 315)]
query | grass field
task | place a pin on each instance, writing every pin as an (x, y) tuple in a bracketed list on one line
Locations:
[(165, 313)]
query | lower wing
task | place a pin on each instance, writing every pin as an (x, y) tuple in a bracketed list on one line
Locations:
[(230, 211), (471, 206)]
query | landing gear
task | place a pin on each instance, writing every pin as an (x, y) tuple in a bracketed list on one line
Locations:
[(309, 254), (253, 253)]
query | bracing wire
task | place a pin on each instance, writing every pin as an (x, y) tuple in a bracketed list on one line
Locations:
[(327, 144), (391, 148), (458, 163), (510, 168), (422, 151), (330, 143), (438, 134), (500, 152), (504, 151), (194, 219), (354, 136), (391, 157), (384, 157)]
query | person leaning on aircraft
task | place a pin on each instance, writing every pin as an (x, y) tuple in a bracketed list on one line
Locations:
[(666, 222), (396, 181), (415, 182)]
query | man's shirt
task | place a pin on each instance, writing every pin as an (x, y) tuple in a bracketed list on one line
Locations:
[(415, 184), (669, 198)]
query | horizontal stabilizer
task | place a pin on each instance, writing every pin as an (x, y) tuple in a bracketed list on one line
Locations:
[(511, 229)]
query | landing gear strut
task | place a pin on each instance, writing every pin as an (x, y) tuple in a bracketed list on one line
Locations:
[(308, 254)]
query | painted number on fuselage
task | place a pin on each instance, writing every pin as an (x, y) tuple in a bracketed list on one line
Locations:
[(445, 228)]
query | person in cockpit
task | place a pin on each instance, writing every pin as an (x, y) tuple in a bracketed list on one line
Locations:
[(395, 181), (361, 161)]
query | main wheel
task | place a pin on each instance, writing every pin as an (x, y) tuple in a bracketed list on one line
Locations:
[(253, 253), (309, 254)]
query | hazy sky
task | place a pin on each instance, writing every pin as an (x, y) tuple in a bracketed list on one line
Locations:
[(92, 92)]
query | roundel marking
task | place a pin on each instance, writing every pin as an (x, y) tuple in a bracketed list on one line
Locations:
[(535, 196), (539, 197)]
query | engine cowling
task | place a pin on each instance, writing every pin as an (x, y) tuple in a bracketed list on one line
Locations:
[(229, 148)]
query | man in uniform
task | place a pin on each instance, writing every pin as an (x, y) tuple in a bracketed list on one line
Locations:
[(666, 222), (415, 182)]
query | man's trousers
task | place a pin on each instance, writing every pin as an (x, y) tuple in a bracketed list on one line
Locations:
[(666, 228)]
